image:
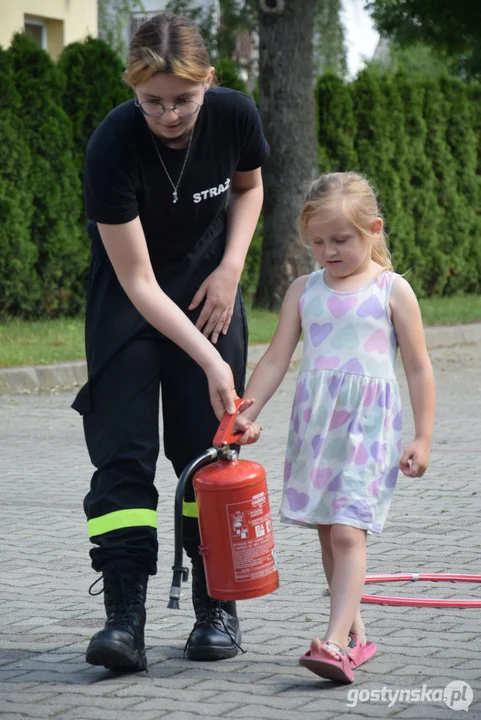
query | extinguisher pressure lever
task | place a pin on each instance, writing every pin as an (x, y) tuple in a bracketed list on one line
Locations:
[(181, 573), (225, 434)]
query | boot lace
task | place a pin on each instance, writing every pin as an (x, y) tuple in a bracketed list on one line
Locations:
[(121, 614), (212, 614)]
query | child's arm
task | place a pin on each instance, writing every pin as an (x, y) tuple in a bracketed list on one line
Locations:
[(273, 365), (407, 321)]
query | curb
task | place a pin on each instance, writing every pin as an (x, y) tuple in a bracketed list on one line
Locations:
[(67, 376)]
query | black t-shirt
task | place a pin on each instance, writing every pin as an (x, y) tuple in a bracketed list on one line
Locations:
[(124, 177)]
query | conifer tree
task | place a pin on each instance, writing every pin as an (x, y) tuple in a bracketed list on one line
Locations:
[(375, 147), (420, 201), (335, 124), (19, 287), (93, 86), (53, 179), (462, 141), (448, 260), (399, 223)]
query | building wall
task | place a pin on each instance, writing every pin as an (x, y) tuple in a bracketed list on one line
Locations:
[(66, 21)]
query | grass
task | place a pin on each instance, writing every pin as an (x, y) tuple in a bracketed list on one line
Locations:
[(45, 342), (41, 342), (451, 311)]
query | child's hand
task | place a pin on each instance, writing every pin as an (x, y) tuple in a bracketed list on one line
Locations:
[(251, 431), (415, 459)]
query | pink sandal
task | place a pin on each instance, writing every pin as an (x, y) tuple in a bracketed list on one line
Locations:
[(323, 664), (358, 653)]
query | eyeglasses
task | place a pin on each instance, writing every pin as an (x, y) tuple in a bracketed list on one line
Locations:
[(153, 108)]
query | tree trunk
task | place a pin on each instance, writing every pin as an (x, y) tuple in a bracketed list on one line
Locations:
[(286, 100)]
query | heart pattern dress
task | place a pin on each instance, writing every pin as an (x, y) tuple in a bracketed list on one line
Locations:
[(344, 442)]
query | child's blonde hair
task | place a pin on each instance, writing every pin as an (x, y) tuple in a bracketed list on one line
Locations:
[(354, 196)]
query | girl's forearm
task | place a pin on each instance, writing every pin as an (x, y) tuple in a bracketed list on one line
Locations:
[(422, 393), (263, 383)]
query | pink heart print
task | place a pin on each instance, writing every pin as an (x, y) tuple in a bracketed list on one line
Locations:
[(338, 504), (370, 394), (320, 477), (339, 417), (374, 487), (383, 279), (359, 455), (340, 306), (326, 363), (377, 342)]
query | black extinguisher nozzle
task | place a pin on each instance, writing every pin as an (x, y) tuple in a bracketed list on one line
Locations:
[(174, 597)]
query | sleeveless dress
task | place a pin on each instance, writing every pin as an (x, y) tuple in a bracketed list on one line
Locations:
[(344, 443)]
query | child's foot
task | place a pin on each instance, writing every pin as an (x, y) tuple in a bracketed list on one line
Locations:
[(359, 631), (359, 652), (328, 660), (328, 647)]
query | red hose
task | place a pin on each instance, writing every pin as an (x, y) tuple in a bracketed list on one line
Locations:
[(421, 602)]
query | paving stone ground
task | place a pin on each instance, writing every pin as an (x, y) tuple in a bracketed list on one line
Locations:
[(47, 616)]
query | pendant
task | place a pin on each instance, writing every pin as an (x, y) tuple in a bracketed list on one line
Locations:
[(174, 195)]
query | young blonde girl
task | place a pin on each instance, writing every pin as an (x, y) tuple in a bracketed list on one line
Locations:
[(344, 447)]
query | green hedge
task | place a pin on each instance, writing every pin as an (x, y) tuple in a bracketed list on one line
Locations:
[(93, 87), (53, 182), (419, 142), (19, 282), (417, 139)]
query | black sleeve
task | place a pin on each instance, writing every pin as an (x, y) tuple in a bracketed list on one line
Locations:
[(254, 149), (109, 192)]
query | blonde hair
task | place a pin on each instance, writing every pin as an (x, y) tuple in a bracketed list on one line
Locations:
[(355, 197), (170, 44)]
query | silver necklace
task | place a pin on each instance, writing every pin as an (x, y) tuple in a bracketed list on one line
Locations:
[(174, 194)]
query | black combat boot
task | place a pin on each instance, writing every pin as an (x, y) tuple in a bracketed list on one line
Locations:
[(120, 645), (216, 634)]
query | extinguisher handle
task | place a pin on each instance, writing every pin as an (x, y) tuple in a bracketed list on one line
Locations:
[(225, 434)]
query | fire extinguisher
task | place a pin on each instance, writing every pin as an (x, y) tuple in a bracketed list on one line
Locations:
[(237, 541)]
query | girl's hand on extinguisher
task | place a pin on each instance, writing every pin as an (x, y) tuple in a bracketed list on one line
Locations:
[(251, 434), (251, 431)]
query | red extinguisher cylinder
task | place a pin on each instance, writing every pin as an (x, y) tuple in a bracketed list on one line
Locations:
[(237, 542), (235, 526)]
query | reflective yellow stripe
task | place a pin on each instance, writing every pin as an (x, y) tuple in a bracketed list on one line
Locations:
[(189, 509), (137, 517)]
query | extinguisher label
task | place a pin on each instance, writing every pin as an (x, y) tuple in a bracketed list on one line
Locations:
[(252, 540)]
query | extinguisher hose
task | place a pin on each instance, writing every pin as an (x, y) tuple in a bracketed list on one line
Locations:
[(179, 572)]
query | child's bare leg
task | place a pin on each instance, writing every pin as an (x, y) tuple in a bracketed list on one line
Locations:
[(324, 532), (348, 549), (358, 627)]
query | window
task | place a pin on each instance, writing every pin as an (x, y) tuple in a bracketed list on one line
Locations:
[(37, 30)]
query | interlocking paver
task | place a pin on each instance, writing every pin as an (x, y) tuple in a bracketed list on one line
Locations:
[(47, 616)]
